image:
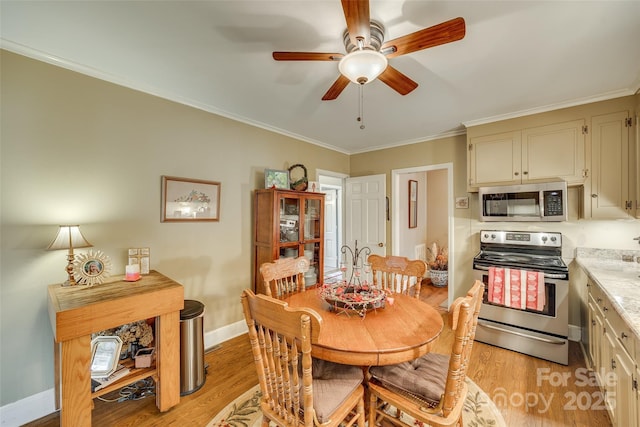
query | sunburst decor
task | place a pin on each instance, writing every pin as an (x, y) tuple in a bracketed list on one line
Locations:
[(91, 268)]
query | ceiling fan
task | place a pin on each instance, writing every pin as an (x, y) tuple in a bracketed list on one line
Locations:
[(367, 53)]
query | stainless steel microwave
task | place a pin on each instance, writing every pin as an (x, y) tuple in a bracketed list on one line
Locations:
[(527, 202)]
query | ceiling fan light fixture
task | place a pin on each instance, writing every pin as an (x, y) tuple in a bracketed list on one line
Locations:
[(362, 66)]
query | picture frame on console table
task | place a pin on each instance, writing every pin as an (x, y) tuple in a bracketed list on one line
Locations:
[(91, 268), (190, 200)]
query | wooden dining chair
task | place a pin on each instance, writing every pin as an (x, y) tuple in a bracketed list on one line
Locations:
[(432, 388), (398, 274), (296, 389), (284, 276)]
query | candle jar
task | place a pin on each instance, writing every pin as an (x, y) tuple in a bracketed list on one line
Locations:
[(132, 272)]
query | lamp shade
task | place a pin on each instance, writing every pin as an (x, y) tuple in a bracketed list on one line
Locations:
[(362, 66), (69, 237)]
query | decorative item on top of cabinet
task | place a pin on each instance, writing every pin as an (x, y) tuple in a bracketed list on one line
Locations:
[(288, 223), (313, 186), (274, 178), (554, 151), (298, 180)]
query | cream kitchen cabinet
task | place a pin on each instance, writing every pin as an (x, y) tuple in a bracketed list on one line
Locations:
[(541, 153), (611, 196), (612, 353), (595, 317), (624, 373)]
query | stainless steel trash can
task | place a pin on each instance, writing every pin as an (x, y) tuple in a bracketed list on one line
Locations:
[(192, 369)]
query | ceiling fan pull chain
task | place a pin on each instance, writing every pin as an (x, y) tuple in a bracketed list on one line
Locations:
[(361, 107)]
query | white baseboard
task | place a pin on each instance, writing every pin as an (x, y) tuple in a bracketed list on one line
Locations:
[(223, 334), (575, 333), (41, 404), (28, 409)]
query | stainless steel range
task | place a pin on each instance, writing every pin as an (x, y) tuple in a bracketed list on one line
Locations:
[(533, 318)]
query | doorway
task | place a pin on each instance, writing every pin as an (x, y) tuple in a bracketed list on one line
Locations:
[(403, 242), (332, 184)]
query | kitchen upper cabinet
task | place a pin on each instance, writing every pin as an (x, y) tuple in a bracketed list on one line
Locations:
[(610, 195), (554, 151), (495, 159)]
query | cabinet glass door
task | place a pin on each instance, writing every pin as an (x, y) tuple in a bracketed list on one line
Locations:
[(312, 213), (290, 223), (312, 253)]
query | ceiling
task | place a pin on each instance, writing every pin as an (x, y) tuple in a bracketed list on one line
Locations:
[(517, 58)]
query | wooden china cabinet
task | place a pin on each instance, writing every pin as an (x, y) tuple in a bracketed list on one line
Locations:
[(288, 224)]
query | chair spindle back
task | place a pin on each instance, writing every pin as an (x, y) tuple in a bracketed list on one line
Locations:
[(284, 276), (398, 274)]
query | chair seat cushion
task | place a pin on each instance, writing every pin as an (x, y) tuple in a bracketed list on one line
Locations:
[(424, 377), (333, 383)]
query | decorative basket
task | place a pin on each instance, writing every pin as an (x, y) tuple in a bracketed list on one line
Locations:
[(357, 298), (301, 183), (439, 278)]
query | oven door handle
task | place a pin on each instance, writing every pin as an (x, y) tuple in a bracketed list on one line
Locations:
[(522, 334), (547, 275)]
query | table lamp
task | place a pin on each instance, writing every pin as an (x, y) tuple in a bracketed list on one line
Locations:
[(69, 237)]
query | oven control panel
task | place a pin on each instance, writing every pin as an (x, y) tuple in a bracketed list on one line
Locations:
[(525, 238)]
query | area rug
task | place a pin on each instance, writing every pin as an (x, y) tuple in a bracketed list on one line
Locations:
[(244, 411)]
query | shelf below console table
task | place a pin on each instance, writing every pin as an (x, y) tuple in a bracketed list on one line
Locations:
[(78, 311)]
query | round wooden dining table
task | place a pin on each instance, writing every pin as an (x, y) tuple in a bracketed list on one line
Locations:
[(399, 332)]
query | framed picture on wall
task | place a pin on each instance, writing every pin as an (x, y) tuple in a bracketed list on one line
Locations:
[(188, 200), (413, 203)]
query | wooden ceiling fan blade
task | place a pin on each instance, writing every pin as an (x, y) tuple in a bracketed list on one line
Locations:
[(306, 56), (397, 81), (446, 32), (336, 88), (356, 13)]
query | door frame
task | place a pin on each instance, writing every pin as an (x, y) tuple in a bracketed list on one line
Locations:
[(396, 221), (341, 203)]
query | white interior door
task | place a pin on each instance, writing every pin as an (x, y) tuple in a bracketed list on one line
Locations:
[(366, 213)]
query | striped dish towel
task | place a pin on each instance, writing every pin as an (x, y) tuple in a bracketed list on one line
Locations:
[(521, 289)]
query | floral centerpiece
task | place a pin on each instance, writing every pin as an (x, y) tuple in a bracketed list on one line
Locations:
[(356, 294), (360, 298), (438, 262)]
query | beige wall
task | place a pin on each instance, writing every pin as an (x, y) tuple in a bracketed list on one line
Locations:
[(77, 150), (437, 224)]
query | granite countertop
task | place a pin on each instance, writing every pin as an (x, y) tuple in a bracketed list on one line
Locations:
[(619, 279)]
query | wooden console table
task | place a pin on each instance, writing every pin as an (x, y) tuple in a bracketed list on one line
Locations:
[(78, 311)]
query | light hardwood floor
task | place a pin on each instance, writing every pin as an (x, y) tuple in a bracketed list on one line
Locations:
[(525, 389)]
